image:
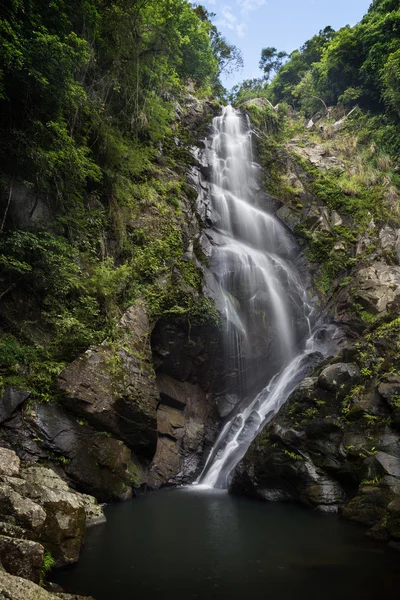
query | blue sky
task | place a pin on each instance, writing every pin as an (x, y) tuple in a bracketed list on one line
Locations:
[(285, 24)]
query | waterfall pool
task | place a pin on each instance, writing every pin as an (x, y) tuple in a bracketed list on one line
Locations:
[(185, 544)]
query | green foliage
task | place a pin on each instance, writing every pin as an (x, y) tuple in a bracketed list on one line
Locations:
[(48, 564), (88, 99), (391, 81), (359, 64), (271, 61), (293, 455), (373, 481)]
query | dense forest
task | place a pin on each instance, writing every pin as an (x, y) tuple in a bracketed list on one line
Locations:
[(89, 95), (355, 65)]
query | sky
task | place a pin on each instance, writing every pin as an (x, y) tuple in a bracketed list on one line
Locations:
[(284, 24)]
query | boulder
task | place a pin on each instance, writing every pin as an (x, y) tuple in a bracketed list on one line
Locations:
[(368, 507), (23, 558), (21, 511), (63, 529), (390, 391), (387, 238), (369, 401), (9, 463), (10, 400), (93, 511), (383, 464), (323, 493), (17, 588), (339, 377), (170, 421), (172, 392), (376, 286), (114, 389)]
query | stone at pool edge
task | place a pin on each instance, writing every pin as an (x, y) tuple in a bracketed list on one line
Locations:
[(42, 508), (17, 588)]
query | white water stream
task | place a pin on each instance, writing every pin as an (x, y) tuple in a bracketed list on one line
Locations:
[(263, 296)]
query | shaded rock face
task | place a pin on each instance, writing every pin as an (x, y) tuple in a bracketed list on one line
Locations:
[(189, 369), (186, 427), (11, 399), (113, 389), (94, 462), (39, 511)]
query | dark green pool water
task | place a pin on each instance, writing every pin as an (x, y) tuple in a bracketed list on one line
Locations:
[(183, 544)]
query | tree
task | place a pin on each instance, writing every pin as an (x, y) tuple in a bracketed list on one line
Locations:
[(229, 56), (271, 61)]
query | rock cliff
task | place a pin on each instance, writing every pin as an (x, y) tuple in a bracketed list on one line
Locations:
[(335, 445)]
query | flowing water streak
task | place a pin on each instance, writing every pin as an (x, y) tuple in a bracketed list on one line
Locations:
[(252, 260)]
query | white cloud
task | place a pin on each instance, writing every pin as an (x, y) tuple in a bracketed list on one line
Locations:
[(249, 5), (230, 21), (235, 17)]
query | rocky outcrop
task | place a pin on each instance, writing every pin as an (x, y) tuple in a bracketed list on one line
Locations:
[(318, 155), (113, 387), (17, 588), (63, 528), (376, 286), (189, 369), (39, 511), (335, 444)]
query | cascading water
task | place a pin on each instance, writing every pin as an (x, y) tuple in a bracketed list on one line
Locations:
[(270, 338)]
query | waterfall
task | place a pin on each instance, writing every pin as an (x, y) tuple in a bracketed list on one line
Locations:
[(271, 336)]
